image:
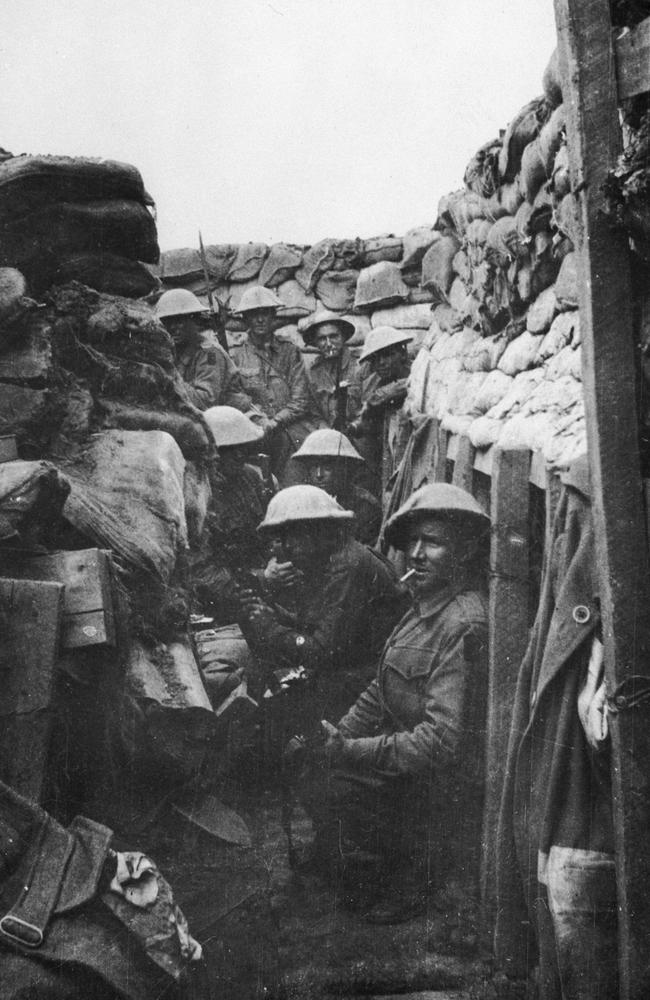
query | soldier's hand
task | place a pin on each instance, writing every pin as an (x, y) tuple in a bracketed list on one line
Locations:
[(281, 574), (334, 741), (255, 609)]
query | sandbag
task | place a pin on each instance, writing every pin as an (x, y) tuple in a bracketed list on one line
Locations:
[(381, 248), (127, 495), (420, 296), (457, 296), (25, 413), (438, 265), (407, 317), (29, 360), (416, 243), (520, 353), (533, 170), (462, 267), (493, 389), (123, 227), (503, 243), (482, 171), (558, 336), (29, 183), (106, 272), (179, 267), (566, 286), (447, 318), (551, 138), (561, 176), (484, 431), (30, 492), (566, 219), (281, 264), (523, 384), (542, 312), (296, 302), (336, 289), (510, 196), (457, 209), (328, 255), (521, 131), (484, 354), (248, 261), (552, 80), (463, 399), (380, 285)]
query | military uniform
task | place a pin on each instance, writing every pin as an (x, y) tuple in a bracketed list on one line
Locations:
[(411, 769), (211, 378), (275, 378), (323, 382)]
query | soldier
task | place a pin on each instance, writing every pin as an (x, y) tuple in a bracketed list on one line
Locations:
[(275, 378), (377, 426), (404, 769), (333, 625), (332, 463), (230, 546), (209, 375), (334, 376)]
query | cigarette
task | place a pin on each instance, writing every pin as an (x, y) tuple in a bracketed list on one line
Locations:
[(407, 576)]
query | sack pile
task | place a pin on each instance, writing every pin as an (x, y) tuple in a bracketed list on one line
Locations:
[(501, 359), (63, 218)]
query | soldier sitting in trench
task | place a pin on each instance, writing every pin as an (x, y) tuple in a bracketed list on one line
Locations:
[(329, 624), (403, 771), (210, 376)]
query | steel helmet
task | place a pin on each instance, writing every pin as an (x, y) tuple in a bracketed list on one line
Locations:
[(258, 297), (381, 338), (178, 302), (309, 326), (436, 498), (230, 427), (302, 503), (327, 443)]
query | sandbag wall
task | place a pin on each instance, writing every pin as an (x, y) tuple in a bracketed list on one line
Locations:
[(64, 218)]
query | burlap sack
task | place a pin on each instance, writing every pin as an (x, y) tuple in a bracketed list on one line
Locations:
[(520, 353), (542, 312), (337, 289), (380, 285), (533, 170), (281, 264), (438, 265), (248, 261), (521, 131), (482, 171), (566, 286)]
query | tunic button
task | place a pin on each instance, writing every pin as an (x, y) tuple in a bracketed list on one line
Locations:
[(581, 614)]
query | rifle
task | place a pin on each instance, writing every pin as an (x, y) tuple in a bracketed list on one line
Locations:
[(341, 396), (217, 325)]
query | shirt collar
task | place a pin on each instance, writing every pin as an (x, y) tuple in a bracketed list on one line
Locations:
[(436, 602)]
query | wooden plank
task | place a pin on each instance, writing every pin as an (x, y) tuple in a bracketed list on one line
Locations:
[(464, 465), (508, 625), (88, 614), (31, 613), (632, 48), (440, 460), (594, 141), (8, 448)]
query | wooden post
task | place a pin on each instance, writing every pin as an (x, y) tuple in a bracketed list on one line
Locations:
[(594, 138), (508, 625), (464, 465), (440, 460)]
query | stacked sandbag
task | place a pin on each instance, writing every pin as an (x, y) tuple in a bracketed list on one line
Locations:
[(501, 360), (64, 218)]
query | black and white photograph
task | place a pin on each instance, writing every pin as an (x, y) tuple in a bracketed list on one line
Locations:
[(325, 500)]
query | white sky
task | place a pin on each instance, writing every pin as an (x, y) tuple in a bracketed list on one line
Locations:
[(284, 120)]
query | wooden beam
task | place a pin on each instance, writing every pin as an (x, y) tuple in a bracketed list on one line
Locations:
[(508, 625), (463, 475), (632, 50), (31, 615), (594, 140), (440, 460)]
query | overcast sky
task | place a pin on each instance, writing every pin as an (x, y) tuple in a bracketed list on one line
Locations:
[(285, 120)]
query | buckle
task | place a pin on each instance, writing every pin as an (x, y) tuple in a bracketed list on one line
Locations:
[(21, 931)]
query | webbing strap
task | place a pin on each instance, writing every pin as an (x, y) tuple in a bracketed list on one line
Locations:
[(48, 857)]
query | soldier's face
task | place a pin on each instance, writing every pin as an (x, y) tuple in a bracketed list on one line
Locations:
[(260, 325), (388, 363), (329, 340), (325, 473), (305, 545), (182, 328), (434, 551)]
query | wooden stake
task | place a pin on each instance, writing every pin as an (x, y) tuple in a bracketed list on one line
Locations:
[(594, 138), (508, 625)]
